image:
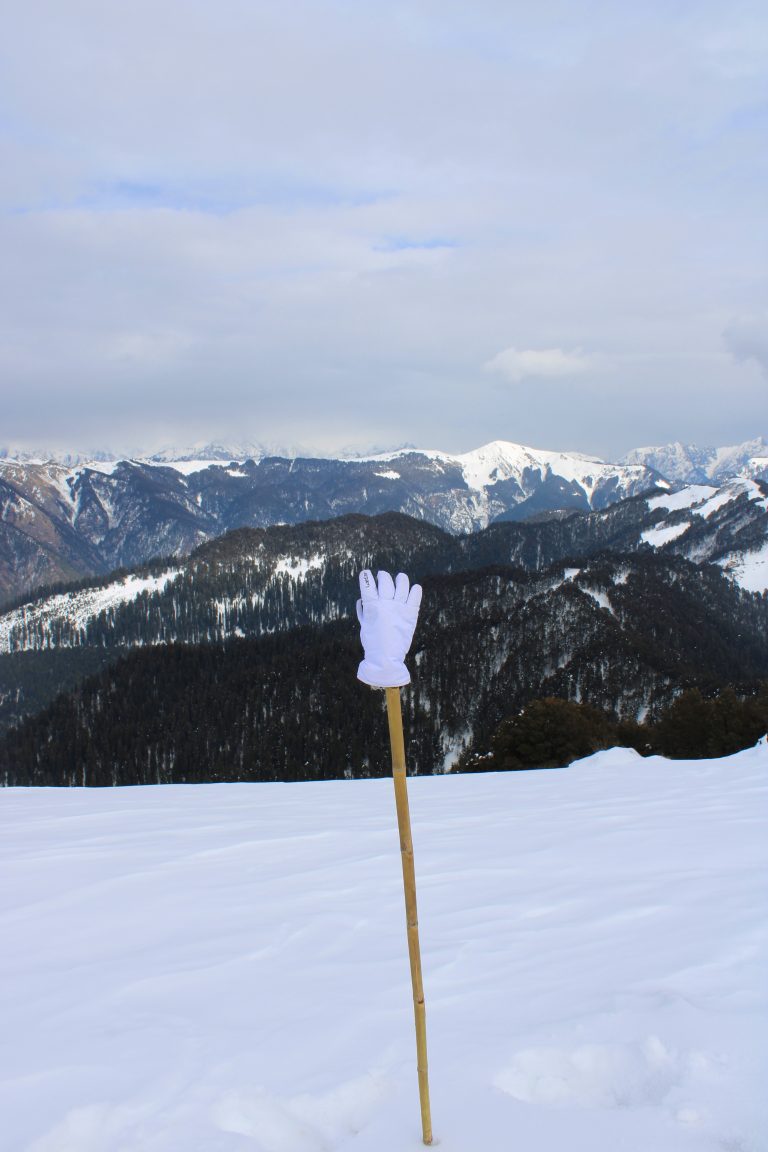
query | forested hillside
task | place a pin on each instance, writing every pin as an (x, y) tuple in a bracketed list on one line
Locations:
[(624, 633)]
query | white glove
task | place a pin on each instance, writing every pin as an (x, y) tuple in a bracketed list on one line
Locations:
[(387, 616)]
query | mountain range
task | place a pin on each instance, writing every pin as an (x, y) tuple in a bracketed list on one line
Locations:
[(237, 582), (239, 662), (690, 464), (61, 520), (667, 572)]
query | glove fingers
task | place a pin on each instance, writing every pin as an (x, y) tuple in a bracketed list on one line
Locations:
[(414, 598), (386, 586), (359, 607), (401, 587), (368, 585)]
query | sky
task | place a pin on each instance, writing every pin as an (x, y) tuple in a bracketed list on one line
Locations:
[(333, 226)]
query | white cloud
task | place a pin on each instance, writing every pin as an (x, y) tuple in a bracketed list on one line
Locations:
[(517, 364), (267, 224)]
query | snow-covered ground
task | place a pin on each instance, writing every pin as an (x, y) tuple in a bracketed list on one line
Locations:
[(221, 968), (749, 569)]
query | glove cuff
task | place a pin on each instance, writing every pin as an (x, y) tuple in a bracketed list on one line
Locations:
[(384, 673)]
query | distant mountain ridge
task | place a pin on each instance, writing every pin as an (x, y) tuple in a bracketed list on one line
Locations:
[(676, 462), (691, 464), (61, 522), (726, 526)]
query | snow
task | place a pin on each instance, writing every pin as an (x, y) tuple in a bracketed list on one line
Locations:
[(502, 460), (732, 491), (723, 496), (685, 498), (220, 453), (601, 598), (680, 461), (731, 459), (77, 607), (748, 569), (224, 967), (185, 467), (106, 467), (389, 474), (298, 566), (755, 493), (662, 534), (757, 466)]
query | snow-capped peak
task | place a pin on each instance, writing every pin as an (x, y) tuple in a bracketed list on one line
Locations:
[(691, 464), (504, 460), (206, 451)]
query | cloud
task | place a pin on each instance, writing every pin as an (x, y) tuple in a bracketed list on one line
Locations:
[(315, 222), (747, 339), (548, 363)]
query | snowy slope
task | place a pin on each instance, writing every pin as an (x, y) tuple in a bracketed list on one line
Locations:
[(37, 620), (749, 569), (701, 524), (216, 968)]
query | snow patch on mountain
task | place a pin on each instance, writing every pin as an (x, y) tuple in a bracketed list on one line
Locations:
[(657, 537), (106, 467), (757, 467), (685, 498), (748, 569), (29, 626), (600, 598), (185, 467), (297, 567), (731, 491), (703, 502)]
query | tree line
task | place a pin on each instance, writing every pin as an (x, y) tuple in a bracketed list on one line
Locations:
[(553, 732)]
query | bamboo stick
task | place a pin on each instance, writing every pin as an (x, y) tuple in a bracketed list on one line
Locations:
[(395, 718)]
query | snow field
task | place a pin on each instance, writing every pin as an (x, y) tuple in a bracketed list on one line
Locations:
[(224, 967), (749, 569), (657, 537), (686, 498)]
